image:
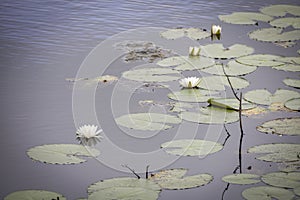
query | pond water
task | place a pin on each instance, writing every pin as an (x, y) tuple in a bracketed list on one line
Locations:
[(43, 43)]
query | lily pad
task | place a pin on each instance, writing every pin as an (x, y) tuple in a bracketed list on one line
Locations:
[(218, 83), (34, 195), (192, 95), (261, 60), (233, 68), (285, 22), (288, 67), (282, 179), (247, 18), (217, 50), (192, 33), (124, 189), (277, 152), (293, 104), (267, 193), (292, 82), (242, 179), (147, 121), (274, 35), (173, 179), (191, 147), (230, 103), (152, 75), (180, 106), (264, 97), (282, 126), (211, 115), (183, 63), (281, 10), (297, 191), (61, 153)]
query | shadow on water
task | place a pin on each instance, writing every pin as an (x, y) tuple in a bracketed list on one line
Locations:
[(43, 43)]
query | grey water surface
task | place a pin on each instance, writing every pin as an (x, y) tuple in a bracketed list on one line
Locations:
[(45, 42)]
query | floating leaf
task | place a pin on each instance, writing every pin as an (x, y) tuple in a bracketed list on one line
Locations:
[(261, 60), (147, 121), (192, 33), (187, 62), (241, 179), (288, 68), (267, 193), (285, 22), (61, 153), (124, 189), (274, 35), (289, 166), (211, 115), (282, 179), (282, 126), (293, 104), (244, 18), (152, 75), (297, 191), (172, 179), (233, 68), (191, 147), (277, 152), (264, 97), (217, 50), (218, 83), (192, 95), (254, 111), (281, 10), (230, 103), (292, 82), (34, 195), (180, 106)]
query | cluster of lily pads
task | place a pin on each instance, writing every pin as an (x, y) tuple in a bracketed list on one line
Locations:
[(226, 66)]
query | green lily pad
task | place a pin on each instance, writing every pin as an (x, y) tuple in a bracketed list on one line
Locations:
[(147, 121), (267, 193), (288, 67), (192, 33), (289, 166), (281, 10), (152, 75), (180, 106), (232, 68), (172, 179), (191, 147), (292, 82), (218, 83), (293, 104), (282, 126), (261, 60), (282, 179), (61, 153), (217, 50), (210, 115), (274, 35), (230, 103), (242, 179), (34, 195), (247, 18), (285, 22), (183, 63), (124, 189), (297, 191), (192, 95), (264, 97), (279, 153)]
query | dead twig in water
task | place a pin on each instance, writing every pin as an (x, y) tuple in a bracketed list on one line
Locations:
[(126, 166)]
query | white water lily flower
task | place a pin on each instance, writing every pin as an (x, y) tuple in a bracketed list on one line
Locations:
[(216, 30), (194, 51), (88, 134), (190, 82)]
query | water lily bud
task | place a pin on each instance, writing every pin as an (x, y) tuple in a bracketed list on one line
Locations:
[(216, 30), (194, 51)]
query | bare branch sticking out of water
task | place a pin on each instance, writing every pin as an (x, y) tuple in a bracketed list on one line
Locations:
[(230, 84), (228, 135)]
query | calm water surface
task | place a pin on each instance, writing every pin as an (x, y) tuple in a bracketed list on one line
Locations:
[(44, 42)]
